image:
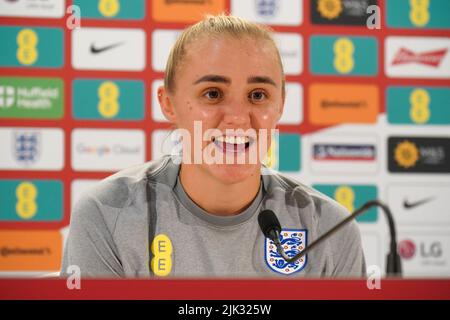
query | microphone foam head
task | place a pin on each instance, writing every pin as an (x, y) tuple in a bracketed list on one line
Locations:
[(268, 221)]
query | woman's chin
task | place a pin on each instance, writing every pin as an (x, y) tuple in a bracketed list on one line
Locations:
[(234, 173)]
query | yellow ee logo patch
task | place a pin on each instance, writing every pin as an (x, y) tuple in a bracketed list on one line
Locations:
[(420, 101), (26, 194), (343, 55), (27, 53), (161, 263), (346, 197), (108, 105), (109, 8)]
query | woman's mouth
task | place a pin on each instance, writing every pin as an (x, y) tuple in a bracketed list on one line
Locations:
[(233, 144)]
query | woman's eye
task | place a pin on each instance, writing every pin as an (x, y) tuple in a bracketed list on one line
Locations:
[(257, 96), (213, 94)]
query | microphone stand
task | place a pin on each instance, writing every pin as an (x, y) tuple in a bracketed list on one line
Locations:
[(393, 262)]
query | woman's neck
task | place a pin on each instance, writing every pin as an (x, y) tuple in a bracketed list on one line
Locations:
[(215, 197)]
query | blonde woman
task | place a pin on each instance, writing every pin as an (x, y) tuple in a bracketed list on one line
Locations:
[(196, 215)]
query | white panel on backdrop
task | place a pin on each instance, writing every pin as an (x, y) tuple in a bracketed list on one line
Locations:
[(107, 149), (32, 8), (164, 142), (31, 148), (157, 114), (290, 46), (78, 187), (372, 249), (417, 57), (162, 42), (344, 153), (425, 253), (422, 204), (274, 12), (293, 106), (108, 49)]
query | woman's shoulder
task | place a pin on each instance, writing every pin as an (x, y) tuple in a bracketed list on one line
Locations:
[(118, 189), (302, 195)]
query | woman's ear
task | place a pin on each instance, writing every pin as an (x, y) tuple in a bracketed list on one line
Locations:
[(166, 105)]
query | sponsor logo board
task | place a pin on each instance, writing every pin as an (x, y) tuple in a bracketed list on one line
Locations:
[(36, 98), (31, 148), (420, 204), (343, 103), (105, 49), (417, 57), (107, 149)]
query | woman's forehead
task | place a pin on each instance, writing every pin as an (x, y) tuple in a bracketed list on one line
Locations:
[(229, 43), (226, 49)]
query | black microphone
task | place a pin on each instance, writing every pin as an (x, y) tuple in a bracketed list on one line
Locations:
[(271, 228)]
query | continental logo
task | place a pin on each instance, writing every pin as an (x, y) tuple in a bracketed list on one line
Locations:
[(30, 250), (185, 10), (419, 154), (342, 103), (340, 12), (161, 248)]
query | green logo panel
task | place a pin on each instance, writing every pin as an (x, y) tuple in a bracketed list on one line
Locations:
[(344, 56), (352, 197), (36, 98), (31, 200), (112, 9), (424, 14), (31, 47), (108, 99), (418, 105)]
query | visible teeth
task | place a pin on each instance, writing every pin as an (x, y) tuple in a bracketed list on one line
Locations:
[(233, 139)]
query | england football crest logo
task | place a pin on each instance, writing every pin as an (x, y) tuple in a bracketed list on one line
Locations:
[(293, 241), (26, 146), (267, 8)]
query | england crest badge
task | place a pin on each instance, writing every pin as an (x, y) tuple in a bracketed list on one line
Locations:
[(293, 241), (26, 147)]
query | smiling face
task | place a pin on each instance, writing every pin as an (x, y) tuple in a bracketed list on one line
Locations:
[(227, 83)]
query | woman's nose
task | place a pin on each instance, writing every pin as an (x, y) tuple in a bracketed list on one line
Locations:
[(236, 114)]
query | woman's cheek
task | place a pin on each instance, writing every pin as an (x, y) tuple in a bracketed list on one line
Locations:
[(209, 113), (265, 117)]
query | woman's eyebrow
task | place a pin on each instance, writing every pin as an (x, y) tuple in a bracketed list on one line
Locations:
[(226, 80), (261, 79), (213, 78)]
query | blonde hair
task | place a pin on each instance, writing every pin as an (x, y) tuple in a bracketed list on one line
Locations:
[(216, 26)]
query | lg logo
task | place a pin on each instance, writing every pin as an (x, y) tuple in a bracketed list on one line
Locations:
[(407, 249)]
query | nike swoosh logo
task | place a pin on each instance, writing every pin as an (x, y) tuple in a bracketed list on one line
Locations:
[(410, 205), (96, 50)]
